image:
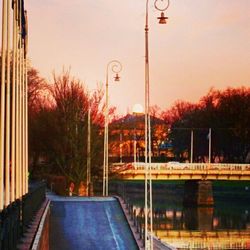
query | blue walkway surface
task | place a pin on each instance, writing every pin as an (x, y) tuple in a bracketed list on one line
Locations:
[(89, 224)]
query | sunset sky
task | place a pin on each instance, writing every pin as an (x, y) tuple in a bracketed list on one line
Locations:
[(205, 44)]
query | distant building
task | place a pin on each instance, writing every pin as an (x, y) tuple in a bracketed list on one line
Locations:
[(126, 138)]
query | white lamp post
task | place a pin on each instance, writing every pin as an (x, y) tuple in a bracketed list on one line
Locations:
[(116, 67), (88, 186), (148, 179)]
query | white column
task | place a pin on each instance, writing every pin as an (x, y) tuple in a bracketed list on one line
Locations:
[(13, 117), (19, 148), (17, 117), (26, 129), (2, 121), (7, 117), (23, 125)]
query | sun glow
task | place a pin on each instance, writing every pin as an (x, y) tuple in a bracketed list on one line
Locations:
[(137, 108)]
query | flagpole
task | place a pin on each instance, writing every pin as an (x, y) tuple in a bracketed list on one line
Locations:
[(7, 118), (192, 146), (4, 8), (209, 147)]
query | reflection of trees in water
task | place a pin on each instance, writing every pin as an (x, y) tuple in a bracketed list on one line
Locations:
[(189, 219), (224, 226), (163, 194), (193, 218), (170, 214), (239, 219)]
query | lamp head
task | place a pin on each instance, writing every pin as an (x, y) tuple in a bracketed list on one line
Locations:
[(162, 18), (117, 78)]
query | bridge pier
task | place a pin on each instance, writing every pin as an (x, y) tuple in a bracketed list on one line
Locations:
[(198, 193), (198, 218)]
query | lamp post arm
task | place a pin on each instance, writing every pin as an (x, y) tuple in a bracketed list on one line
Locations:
[(116, 67), (161, 8)]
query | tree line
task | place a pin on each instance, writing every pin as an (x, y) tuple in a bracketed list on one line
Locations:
[(58, 126), (226, 112)]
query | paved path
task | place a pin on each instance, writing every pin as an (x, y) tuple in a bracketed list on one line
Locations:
[(89, 223)]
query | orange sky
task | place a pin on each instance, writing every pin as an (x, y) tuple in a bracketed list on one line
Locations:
[(205, 44)]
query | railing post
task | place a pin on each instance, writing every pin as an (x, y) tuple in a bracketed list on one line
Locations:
[(134, 217), (137, 224)]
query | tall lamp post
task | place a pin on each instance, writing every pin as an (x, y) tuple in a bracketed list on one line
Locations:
[(89, 154), (148, 179), (88, 182), (116, 67)]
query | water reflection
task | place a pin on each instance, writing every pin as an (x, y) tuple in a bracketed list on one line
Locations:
[(224, 226)]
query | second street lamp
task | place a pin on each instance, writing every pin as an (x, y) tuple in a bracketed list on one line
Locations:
[(89, 185), (116, 67), (148, 180)]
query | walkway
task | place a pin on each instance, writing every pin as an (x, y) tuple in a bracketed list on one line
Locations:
[(89, 223)]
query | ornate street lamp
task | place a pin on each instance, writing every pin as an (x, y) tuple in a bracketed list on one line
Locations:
[(148, 179), (116, 67), (162, 18)]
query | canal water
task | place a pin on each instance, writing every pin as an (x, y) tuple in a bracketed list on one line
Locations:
[(226, 225)]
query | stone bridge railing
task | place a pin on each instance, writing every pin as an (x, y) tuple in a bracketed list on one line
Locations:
[(184, 171), (181, 166)]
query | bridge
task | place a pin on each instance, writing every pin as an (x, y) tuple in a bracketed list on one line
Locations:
[(198, 177), (182, 171)]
